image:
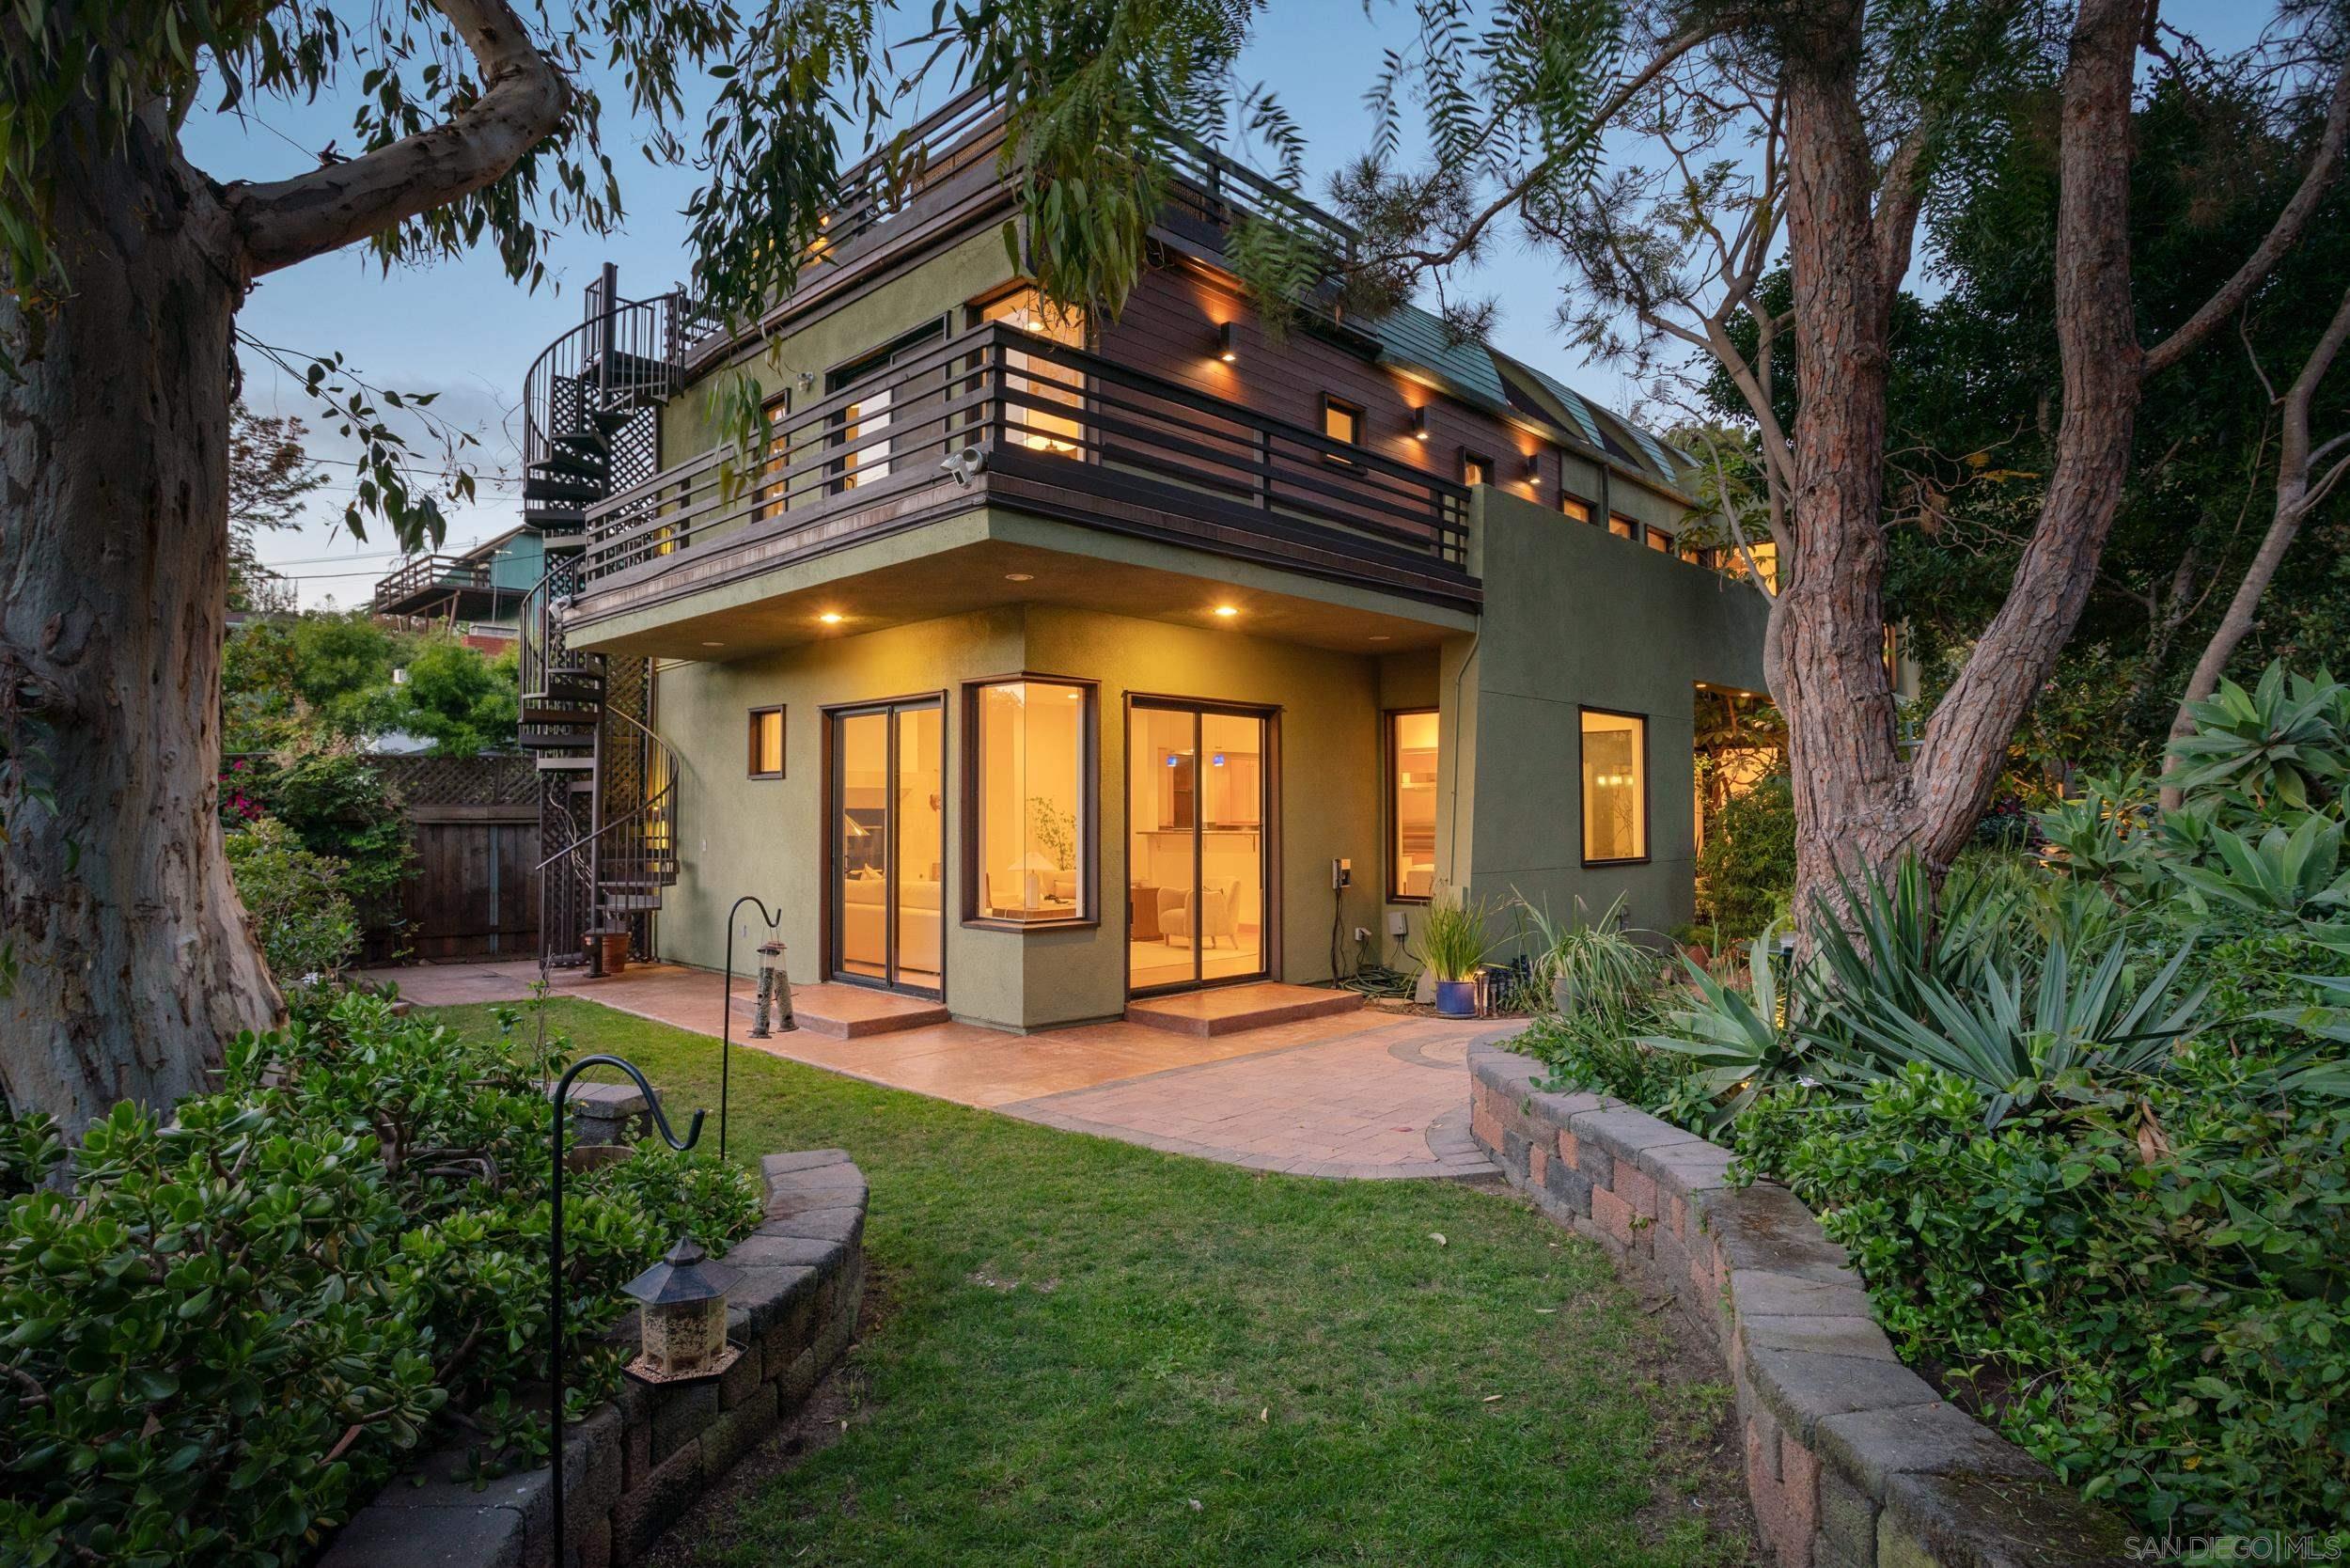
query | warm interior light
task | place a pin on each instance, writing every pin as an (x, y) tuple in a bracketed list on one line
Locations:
[(714, 645), (1019, 576), (830, 618), (1226, 612), (1225, 350)]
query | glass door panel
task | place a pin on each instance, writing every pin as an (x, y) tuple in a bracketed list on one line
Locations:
[(888, 828), (1198, 788), (919, 817)]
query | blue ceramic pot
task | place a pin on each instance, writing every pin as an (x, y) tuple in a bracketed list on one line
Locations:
[(1456, 999)]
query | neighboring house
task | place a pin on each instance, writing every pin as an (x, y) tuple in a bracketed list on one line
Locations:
[(1045, 662), (479, 595)]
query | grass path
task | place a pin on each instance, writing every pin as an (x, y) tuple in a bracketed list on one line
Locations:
[(1094, 1353)]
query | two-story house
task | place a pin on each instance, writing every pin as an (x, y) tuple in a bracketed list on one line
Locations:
[(1043, 663)]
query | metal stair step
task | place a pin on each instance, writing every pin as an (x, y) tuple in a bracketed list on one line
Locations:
[(559, 713), (630, 903), (539, 485), (564, 761)]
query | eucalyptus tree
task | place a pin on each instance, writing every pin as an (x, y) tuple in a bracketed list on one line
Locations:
[(1805, 136), (475, 123)]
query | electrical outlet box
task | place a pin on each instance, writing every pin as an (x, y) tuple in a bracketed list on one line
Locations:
[(1362, 933), (1341, 873), (1395, 924)]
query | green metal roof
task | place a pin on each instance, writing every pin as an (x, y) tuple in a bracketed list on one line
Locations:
[(1417, 337)]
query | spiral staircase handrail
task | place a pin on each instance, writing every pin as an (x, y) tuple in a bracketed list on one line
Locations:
[(654, 326)]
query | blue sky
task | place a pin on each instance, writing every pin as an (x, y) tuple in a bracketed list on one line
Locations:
[(462, 330)]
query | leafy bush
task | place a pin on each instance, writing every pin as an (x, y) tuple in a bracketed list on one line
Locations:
[(2083, 1120), (222, 1339), (338, 806), (308, 931), (1747, 864)]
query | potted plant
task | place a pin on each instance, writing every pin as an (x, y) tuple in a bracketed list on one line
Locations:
[(1453, 943)]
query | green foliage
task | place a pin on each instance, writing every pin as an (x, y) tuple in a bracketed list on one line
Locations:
[(459, 698), (2084, 1122), (224, 1336), (337, 805), (2152, 1290), (308, 931), (1747, 865), (1454, 937)]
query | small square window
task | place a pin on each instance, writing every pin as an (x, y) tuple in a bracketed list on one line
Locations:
[(1622, 527), (1475, 467), (1575, 507), (1659, 541), (1341, 421), (766, 742)]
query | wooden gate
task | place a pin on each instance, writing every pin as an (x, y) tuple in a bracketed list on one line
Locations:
[(471, 892)]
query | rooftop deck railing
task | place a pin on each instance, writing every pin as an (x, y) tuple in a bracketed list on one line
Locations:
[(943, 414), (434, 575)]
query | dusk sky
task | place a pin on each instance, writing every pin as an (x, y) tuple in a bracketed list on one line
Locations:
[(460, 329)]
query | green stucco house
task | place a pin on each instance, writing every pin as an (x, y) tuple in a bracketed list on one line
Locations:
[(1037, 664)]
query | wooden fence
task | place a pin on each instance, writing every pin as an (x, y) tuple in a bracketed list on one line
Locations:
[(473, 825)]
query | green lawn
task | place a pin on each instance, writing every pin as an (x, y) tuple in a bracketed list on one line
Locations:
[(1092, 1354)]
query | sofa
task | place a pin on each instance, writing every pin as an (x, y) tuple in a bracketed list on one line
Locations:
[(864, 926)]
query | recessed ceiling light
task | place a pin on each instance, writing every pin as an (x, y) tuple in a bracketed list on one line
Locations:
[(830, 618), (1019, 576), (1381, 636), (1225, 612), (714, 645)]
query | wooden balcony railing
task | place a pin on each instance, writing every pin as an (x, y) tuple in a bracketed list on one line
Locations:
[(429, 576), (997, 398)]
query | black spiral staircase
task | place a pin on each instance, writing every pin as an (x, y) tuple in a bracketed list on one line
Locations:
[(607, 814)]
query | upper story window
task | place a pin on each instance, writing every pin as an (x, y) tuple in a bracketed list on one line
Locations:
[(1038, 388), (862, 426), (1622, 527), (1658, 540), (774, 487), (1031, 834), (1575, 507), (1475, 467), (1341, 421)]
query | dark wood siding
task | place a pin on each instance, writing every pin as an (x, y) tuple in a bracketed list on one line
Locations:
[(1169, 330)]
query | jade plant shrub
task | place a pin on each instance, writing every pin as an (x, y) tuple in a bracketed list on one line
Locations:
[(223, 1334)]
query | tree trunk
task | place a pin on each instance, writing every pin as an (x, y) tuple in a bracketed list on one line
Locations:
[(1829, 649), (133, 959)]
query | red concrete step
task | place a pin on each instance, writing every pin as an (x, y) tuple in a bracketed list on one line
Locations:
[(1231, 1009), (854, 1012)]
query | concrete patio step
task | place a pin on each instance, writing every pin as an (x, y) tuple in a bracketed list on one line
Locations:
[(1231, 1009), (854, 1012)]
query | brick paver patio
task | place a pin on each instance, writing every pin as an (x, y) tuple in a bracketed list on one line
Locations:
[(1362, 1095)]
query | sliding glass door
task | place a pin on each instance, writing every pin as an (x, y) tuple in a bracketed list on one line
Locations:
[(1199, 796), (888, 793)]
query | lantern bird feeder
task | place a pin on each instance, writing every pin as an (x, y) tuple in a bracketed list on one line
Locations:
[(774, 1007), (683, 1323)]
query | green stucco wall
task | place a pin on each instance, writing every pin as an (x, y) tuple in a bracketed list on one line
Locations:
[(766, 836), (1575, 616), (977, 266)]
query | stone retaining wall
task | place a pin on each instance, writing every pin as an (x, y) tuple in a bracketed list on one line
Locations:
[(1853, 1461), (631, 1467)]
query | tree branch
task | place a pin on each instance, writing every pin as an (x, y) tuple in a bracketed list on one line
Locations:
[(524, 98), (1901, 195), (1466, 239), (2281, 237)]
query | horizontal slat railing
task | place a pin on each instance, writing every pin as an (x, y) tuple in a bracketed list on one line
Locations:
[(1123, 435), (441, 573)]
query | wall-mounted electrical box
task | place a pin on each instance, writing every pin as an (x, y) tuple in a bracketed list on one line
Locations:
[(1341, 873)]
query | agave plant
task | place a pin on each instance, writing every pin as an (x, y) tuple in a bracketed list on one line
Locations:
[(2019, 1035), (1740, 1041), (2282, 743), (2296, 875), (2100, 835)]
